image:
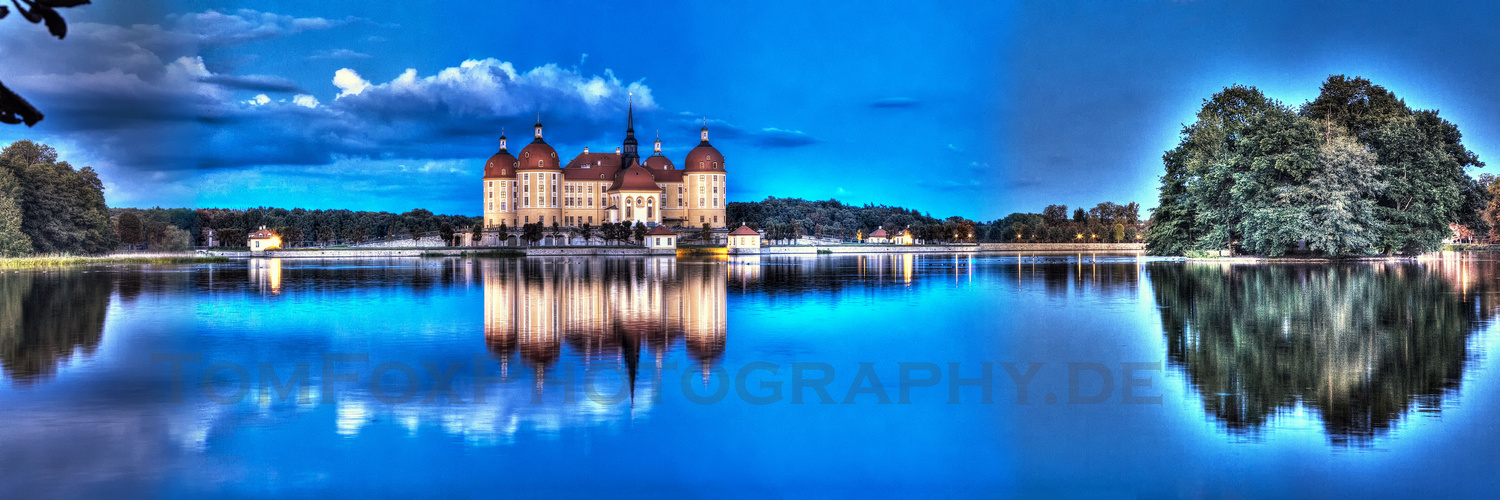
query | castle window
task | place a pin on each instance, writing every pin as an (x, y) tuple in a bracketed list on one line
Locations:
[(528, 155), (525, 177), (591, 202)]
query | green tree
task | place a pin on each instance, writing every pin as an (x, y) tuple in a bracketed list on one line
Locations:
[(130, 229), (532, 232), (62, 209), (585, 231), (445, 231), (639, 232), (477, 232), (706, 234), (13, 241)]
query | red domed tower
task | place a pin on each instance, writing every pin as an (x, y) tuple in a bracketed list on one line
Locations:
[(541, 182), (704, 177), (500, 187)]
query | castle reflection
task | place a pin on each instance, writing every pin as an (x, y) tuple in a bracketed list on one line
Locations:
[(602, 309)]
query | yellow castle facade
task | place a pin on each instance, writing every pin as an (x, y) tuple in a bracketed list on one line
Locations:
[(594, 188)]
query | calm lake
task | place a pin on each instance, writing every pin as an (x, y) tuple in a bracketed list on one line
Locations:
[(879, 375)]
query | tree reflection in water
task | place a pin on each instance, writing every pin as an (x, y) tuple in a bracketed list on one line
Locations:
[(46, 317), (1361, 344)]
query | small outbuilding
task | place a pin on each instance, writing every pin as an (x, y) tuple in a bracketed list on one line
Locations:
[(661, 237), (744, 238), (263, 239), (903, 238), (879, 237)]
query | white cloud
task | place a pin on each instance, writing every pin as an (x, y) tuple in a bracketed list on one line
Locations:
[(305, 101), (349, 82), (260, 100)]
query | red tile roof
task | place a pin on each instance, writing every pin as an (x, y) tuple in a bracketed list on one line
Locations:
[(661, 231), (635, 178), (744, 231)]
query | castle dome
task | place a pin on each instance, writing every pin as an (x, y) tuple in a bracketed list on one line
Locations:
[(501, 165), (538, 155), (704, 158), (658, 162)]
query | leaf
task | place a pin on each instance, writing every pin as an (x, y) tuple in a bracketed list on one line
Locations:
[(29, 15), (55, 22), (4, 11), (14, 109)]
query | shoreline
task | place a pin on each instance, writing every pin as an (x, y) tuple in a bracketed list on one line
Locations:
[(61, 261)]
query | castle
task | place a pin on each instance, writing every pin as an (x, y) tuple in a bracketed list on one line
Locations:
[(595, 188)]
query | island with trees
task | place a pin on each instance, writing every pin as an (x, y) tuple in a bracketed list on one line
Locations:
[(1354, 172)]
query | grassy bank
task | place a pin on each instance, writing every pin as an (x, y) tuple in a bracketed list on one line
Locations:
[(55, 261)]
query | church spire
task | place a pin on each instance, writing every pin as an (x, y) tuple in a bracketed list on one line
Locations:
[(629, 149), (538, 127), (502, 139), (657, 148), (703, 133)]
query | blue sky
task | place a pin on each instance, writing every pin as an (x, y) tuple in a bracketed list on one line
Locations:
[(973, 109)]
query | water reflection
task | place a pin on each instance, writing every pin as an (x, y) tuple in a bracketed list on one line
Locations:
[(1360, 344), (47, 318), (603, 310)]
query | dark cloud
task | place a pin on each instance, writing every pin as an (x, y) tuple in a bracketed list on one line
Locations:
[(339, 54), (254, 83), (723, 131), (895, 102), (213, 28)]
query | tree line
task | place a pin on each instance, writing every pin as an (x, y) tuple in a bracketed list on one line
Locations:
[(791, 218), (1107, 222), (1353, 172), (49, 207), (155, 228)]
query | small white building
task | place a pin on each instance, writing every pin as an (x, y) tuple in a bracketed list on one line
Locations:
[(262, 240), (661, 237), (904, 238), (879, 237), (743, 238)]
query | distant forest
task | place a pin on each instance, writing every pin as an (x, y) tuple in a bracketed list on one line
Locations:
[(788, 218), (172, 229)]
